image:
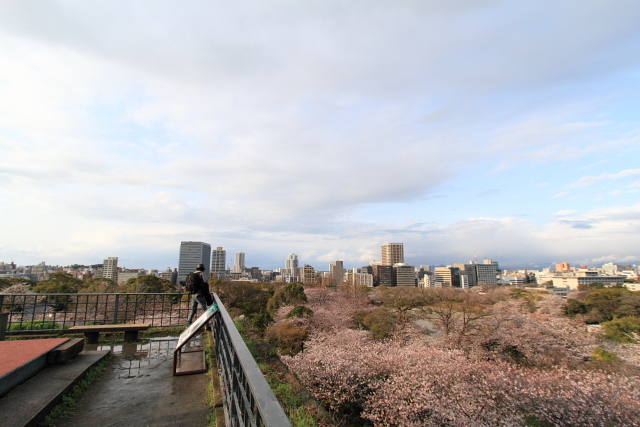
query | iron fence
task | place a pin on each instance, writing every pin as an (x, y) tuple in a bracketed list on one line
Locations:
[(57, 312), (247, 398)]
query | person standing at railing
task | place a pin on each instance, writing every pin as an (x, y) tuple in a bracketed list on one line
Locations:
[(198, 287)]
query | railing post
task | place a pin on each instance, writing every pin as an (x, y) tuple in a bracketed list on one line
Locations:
[(115, 309), (4, 320)]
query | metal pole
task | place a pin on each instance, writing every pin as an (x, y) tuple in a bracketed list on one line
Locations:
[(115, 309)]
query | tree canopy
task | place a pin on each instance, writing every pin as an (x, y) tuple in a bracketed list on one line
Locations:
[(148, 284), (290, 294), (59, 283), (99, 285), (11, 281)]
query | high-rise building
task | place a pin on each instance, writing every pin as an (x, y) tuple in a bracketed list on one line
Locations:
[(238, 263), (443, 275), (192, 254), (486, 274), (392, 253), (291, 264), (308, 275), (382, 275), (336, 269), (110, 268), (471, 274), (218, 262), (404, 275)]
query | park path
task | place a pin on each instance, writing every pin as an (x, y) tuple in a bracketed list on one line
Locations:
[(138, 389)]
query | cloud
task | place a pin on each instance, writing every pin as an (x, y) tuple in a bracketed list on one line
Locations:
[(590, 180), (618, 192), (266, 126), (565, 212)]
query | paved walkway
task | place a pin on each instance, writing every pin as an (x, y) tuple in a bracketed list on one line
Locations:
[(138, 389)]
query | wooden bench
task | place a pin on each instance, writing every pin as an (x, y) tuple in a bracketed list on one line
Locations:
[(92, 332)]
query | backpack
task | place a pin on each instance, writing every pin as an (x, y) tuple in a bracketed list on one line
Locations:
[(193, 283)]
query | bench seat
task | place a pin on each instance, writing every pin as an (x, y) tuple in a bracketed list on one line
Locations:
[(92, 332)]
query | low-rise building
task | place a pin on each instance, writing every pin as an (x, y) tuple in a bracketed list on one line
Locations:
[(580, 277), (126, 275)]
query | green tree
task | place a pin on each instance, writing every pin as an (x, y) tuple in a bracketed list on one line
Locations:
[(10, 281), (590, 286), (290, 294), (299, 311), (603, 303), (243, 297), (148, 284), (59, 283), (621, 330), (381, 322), (629, 305), (99, 285), (575, 307)]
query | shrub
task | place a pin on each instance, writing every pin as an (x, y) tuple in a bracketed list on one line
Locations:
[(288, 337), (35, 326), (299, 311), (291, 294), (260, 321), (621, 329), (243, 298), (380, 322), (602, 355)]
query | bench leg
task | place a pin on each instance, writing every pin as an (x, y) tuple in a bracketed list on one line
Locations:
[(130, 336), (91, 337)]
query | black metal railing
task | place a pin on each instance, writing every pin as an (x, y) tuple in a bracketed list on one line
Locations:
[(57, 312), (247, 398)]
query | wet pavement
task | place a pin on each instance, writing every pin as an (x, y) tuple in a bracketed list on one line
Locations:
[(138, 389)]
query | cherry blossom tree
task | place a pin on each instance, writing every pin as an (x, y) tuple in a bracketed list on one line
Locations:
[(493, 361)]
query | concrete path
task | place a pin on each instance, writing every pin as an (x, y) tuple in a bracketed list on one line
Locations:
[(30, 402), (138, 389)]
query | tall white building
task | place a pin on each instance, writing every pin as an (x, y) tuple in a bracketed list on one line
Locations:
[(218, 262), (192, 254), (238, 262), (392, 253), (291, 264), (610, 269), (110, 268)]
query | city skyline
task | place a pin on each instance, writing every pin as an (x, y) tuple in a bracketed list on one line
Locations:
[(217, 256), (320, 130)]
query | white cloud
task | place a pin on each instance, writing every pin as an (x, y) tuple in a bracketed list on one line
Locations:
[(565, 212), (267, 125), (590, 180)]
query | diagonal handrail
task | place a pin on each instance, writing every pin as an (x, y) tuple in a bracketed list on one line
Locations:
[(246, 396)]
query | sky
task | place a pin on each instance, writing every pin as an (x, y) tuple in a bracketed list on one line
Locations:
[(320, 128)]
